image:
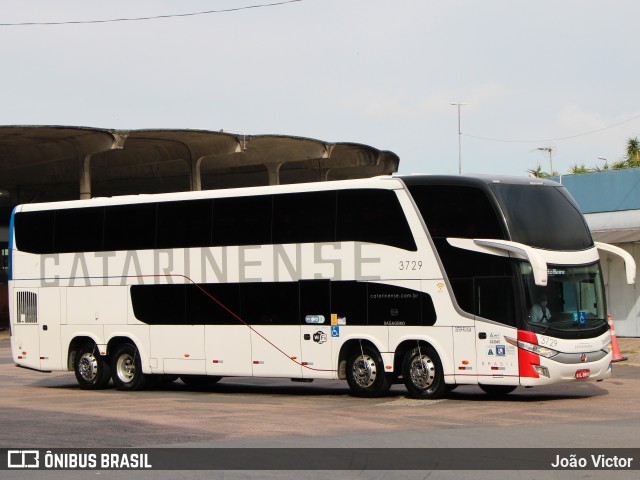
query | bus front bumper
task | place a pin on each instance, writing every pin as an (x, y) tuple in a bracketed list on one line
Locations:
[(550, 371)]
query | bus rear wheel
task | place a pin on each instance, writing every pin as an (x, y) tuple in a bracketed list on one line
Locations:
[(127, 368), (365, 373), (91, 369), (422, 373)]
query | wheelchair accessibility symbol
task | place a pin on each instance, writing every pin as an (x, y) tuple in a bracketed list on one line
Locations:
[(335, 331)]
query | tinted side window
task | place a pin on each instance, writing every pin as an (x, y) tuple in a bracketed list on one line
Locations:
[(159, 304), (392, 305), (304, 217), (457, 211), (34, 231), (495, 299), (482, 284), (373, 216), (349, 302), (79, 230), (210, 304), (184, 224), (315, 302), (242, 221), (130, 227), (270, 303)]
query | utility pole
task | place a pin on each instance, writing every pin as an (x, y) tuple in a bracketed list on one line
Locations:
[(549, 150), (459, 137)]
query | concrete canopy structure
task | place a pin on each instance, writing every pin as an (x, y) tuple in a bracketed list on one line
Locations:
[(53, 163), (48, 163)]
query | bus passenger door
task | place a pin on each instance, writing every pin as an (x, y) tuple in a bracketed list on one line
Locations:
[(315, 330), (497, 360)]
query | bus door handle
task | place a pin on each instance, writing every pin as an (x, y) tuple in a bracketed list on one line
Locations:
[(482, 336)]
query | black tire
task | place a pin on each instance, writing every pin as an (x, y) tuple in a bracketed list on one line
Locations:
[(366, 375), (498, 391), (92, 370), (199, 381), (423, 374), (127, 368)]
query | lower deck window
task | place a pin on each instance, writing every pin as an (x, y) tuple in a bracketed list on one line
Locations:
[(282, 303)]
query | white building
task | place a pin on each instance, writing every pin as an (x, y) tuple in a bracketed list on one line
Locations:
[(610, 201)]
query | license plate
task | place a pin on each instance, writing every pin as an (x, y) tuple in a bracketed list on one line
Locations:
[(583, 373)]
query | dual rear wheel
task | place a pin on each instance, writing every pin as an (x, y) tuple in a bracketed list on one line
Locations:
[(94, 371), (421, 370)]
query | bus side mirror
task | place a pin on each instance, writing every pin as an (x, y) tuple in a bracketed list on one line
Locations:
[(629, 262)]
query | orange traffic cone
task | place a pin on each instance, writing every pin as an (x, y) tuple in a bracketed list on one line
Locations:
[(615, 350)]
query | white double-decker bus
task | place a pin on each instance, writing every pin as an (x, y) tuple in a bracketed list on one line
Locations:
[(434, 281)]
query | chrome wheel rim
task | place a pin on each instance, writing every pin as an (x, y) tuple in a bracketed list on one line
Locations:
[(126, 368), (88, 366), (364, 371), (422, 371)]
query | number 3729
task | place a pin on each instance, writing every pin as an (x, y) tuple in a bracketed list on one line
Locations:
[(411, 265)]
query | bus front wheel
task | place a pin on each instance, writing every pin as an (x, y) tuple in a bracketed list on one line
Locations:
[(423, 374), (91, 369), (127, 368), (365, 373)]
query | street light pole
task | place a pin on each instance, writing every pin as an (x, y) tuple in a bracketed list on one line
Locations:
[(549, 150), (459, 137)]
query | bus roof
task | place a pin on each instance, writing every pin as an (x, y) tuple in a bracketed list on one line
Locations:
[(386, 182), (477, 180)]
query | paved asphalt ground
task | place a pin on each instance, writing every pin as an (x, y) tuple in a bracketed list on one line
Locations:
[(41, 410)]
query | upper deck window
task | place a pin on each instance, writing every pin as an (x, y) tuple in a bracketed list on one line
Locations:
[(362, 215), (457, 211)]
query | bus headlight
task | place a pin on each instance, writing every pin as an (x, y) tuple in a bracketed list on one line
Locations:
[(530, 347)]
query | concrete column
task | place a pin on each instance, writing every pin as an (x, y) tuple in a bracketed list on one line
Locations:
[(85, 177), (196, 177), (273, 169), (116, 143)]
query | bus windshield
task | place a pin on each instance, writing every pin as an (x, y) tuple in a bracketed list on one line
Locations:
[(572, 301), (543, 216)]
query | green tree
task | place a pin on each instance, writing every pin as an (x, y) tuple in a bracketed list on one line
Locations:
[(537, 172), (633, 152), (580, 169), (631, 160), (619, 165)]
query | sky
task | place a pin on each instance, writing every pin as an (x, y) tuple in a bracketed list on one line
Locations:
[(382, 73)]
